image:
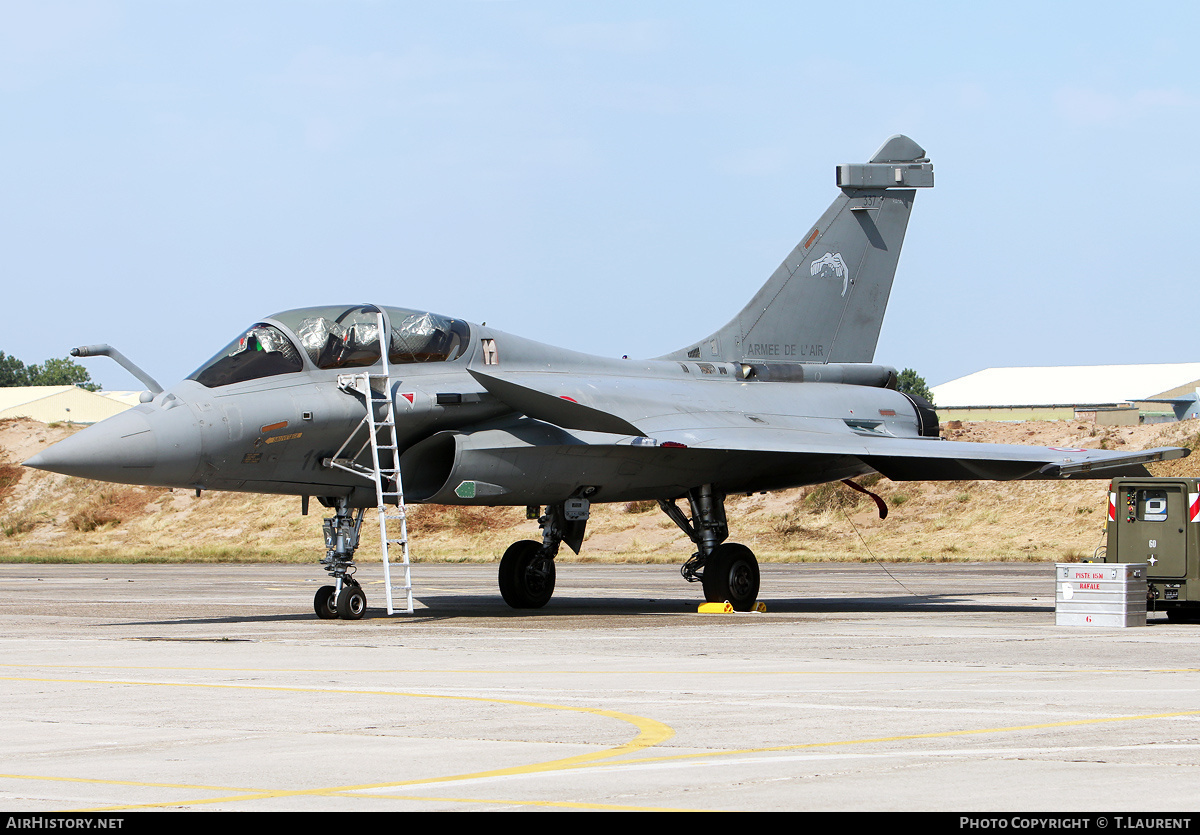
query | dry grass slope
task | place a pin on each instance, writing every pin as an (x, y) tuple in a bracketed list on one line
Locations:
[(49, 517)]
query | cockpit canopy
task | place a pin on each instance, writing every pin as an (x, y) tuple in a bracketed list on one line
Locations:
[(333, 338)]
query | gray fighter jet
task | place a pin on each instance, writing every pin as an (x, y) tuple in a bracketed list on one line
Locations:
[(786, 394)]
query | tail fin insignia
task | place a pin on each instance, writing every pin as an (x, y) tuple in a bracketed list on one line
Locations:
[(831, 265)]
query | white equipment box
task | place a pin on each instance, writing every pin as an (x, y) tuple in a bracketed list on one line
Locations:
[(1100, 594)]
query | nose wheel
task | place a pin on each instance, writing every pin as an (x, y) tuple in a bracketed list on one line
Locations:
[(351, 603), (325, 603), (348, 604)]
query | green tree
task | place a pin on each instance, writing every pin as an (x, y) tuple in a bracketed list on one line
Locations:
[(12, 371), (61, 372), (53, 372), (910, 382)]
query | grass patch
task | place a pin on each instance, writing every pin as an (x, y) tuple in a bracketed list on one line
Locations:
[(10, 476), (15, 524), (469, 520), (113, 506)]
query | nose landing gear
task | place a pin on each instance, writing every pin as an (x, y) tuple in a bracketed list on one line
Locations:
[(345, 598)]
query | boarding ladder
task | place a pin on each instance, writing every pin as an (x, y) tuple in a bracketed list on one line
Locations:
[(384, 469)]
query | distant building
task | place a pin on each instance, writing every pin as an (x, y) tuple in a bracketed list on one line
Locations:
[(65, 404), (1107, 394)]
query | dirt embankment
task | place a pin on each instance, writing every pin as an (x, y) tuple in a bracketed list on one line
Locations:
[(49, 517)]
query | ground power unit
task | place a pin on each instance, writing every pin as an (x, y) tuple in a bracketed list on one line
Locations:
[(1156, 521)]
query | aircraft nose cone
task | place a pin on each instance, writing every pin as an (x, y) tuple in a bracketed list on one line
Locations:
[(153, 446), (117, 449)]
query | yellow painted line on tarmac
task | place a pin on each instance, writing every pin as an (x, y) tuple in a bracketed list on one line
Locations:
[(909, 737), (252, 794), (136, 783), (647, 736), (490, 801), (576, 763), (650, 732), (257, 793), (554, 804)]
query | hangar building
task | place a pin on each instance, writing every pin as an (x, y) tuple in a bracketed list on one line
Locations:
[(66, 404), (1109, 394)]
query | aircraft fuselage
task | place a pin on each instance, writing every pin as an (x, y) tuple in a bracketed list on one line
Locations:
[(273, 434)]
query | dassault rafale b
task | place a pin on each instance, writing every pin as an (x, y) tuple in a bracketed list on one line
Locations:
[(786, 394)]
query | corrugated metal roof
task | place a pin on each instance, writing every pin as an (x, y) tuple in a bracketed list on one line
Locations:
[(1065, 385), (19, 395), (128, 398), (54, 403)]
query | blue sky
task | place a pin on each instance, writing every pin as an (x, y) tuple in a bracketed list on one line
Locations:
[(611, 177)]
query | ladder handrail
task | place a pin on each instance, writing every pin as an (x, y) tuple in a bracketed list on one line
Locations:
[(389, 423), (377, 472)]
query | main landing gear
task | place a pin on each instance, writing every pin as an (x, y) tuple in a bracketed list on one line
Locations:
[(727, 570), (526, 575), (345, 598), (527, 567), (731, 573)]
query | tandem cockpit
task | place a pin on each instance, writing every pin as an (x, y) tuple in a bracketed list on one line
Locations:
[(334, 338)]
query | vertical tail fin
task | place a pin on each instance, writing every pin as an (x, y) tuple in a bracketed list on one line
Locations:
[(826, 301)]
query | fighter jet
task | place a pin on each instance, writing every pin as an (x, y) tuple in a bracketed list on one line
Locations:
[(786, 394)]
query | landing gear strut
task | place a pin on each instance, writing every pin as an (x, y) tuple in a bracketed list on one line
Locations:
[(728, 571), (345, 598), (527, 567)]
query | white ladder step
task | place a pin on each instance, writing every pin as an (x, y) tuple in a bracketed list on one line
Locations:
[(385, 443)]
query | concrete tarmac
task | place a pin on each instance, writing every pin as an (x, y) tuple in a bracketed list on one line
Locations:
[(862, 687)]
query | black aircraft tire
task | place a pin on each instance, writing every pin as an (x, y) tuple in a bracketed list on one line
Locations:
[(324, 604), (731, 573), (526, 580), (351, 603)]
